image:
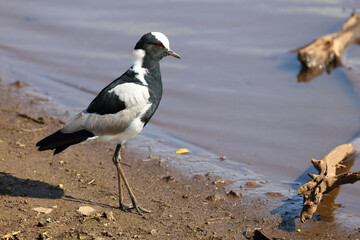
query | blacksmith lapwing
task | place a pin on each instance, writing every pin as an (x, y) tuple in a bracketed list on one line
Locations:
[(121, 110)]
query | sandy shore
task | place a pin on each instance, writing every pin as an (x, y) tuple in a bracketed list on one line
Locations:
[(84, 175)]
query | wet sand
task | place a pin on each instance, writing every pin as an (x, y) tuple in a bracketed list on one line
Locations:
[(183, 207)]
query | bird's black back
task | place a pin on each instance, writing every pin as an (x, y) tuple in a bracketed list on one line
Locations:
[(108, 102)]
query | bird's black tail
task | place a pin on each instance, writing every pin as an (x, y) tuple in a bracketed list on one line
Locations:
[(59, 141)]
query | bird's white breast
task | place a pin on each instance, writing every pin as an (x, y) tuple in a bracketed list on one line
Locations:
[(131, 94), (117, 126)]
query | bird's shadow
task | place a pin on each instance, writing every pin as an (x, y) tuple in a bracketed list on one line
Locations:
[(18, 187), (88, 202), (291, 207)]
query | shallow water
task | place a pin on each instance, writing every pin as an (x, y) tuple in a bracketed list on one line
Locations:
[(235, 90)]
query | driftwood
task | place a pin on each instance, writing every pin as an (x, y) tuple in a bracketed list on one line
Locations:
[(324, 52), (327, 179)]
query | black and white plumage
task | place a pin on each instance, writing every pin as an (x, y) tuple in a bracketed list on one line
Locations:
[(121, 110)]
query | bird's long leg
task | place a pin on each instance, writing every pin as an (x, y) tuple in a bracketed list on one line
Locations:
[(121, 175), (116, 159)]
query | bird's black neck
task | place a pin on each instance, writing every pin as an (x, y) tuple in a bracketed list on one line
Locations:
[(153, 79), (150, 63), (153, 75)]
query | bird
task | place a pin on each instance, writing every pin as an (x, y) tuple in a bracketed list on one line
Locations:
[(121, 110)]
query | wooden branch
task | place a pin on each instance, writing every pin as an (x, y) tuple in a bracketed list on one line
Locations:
[(327, 49), (327, 179)]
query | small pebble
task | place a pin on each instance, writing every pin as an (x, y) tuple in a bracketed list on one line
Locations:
[(169, 179), (252, 184), (214, 198), (234, 194), (274, 194), (86, 210), (41, 223), (42, 210), (109, 215), (20, 84), (185, 196)]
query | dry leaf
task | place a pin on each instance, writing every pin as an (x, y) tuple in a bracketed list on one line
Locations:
[(182, 151)]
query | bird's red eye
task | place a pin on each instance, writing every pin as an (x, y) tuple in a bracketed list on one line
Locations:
[(159, 46)]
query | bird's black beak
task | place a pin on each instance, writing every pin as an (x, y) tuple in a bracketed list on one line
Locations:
[(174, 54)]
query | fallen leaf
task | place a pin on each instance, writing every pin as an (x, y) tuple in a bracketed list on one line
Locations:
[(182, 151)]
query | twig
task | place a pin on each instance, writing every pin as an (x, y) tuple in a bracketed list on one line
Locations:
[(39, 120), (10, 235), (33, 130), (324, 53), (327, 179), (328, 48)]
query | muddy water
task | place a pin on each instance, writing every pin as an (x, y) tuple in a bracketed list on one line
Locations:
[(235, 90)]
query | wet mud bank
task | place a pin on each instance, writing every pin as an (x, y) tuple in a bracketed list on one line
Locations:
[(41, 193)]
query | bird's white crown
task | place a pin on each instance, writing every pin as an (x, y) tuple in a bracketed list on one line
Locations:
[(162, 38)]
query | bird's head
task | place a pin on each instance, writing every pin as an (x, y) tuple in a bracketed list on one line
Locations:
[(155, 45)]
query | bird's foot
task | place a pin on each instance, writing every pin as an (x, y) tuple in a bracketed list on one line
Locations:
[(125, 207), (139, 209)]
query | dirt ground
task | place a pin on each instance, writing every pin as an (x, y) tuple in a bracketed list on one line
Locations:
[(84, 175)]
